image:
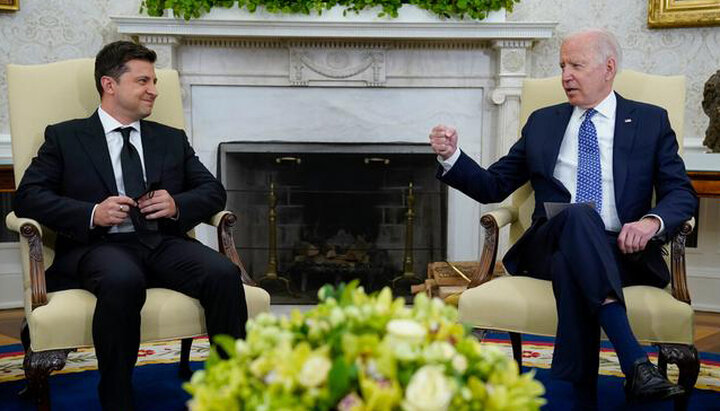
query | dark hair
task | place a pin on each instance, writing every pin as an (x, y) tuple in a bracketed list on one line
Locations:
[(110, 61)]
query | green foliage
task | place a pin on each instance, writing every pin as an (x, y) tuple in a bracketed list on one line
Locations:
[(361, 352), (471, 9)]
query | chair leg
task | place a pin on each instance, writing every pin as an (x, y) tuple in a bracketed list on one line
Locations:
[(184, 372), (38, 366), (688, 362), (516, 341)]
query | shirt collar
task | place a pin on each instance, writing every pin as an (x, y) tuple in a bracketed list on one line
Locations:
[(109, 123), (606, 107)]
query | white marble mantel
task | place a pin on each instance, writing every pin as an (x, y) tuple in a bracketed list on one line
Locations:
[(354, 78)]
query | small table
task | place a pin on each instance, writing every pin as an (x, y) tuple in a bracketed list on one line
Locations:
[(706, 183)]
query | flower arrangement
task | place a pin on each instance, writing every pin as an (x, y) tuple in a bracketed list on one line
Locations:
[(472, 9), (358, 352)]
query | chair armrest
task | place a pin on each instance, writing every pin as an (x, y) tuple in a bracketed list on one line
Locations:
[(491, 222), (224, 220), (677, 262), (31, 231)]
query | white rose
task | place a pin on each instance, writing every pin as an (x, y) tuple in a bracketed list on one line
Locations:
[(406, 330), (459, 363), (315, 371), (428, 390), (439, 351)]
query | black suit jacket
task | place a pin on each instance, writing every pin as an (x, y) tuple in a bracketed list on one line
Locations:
[(72, 172), (645, 161)]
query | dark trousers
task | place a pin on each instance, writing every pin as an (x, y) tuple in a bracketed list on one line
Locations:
[(585, 265), (119, 270)]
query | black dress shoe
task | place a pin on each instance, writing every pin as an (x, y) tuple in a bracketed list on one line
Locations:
[(645, 383)]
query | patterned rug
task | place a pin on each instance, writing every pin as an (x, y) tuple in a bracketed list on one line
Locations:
[(537, 353)]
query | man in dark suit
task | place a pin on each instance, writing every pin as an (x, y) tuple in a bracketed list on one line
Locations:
[(121, 192), (604, 155)]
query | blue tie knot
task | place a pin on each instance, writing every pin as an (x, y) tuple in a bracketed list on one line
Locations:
[(589, 113)]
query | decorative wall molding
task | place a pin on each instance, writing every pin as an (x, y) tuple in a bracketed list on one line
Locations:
[(366, 66)]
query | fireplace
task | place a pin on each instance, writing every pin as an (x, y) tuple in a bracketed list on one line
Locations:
[(316, 213), (363, 79)]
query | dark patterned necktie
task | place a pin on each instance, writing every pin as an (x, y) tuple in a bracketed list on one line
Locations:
[(132, 174), (589, 173)]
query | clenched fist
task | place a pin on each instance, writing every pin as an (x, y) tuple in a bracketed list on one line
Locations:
[(443, 140), (634, 236)]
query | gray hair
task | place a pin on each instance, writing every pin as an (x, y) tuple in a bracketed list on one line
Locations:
[(604, 44)]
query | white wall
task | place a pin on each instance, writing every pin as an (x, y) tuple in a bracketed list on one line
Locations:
[(51, 30)]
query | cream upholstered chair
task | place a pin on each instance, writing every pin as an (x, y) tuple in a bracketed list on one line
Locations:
[(519, 304), (59, 322)]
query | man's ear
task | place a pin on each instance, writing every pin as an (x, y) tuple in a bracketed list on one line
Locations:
[(610, 69), (108, 84)]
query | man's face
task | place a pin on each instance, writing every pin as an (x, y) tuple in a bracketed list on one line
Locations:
[(132, 96), (586, 81)]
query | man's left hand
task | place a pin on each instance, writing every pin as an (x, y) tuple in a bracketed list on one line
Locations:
[(634, 236), (157, 204)]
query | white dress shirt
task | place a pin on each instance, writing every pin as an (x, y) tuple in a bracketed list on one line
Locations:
[(566, 166), (115, 143), (567, 161)]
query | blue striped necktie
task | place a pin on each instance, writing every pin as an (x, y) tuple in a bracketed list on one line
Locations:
[(589, 173)]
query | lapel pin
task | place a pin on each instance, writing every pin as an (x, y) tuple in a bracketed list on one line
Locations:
[(628, 120)]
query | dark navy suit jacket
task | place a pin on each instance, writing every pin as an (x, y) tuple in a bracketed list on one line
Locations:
[(645, 159), (72, 172)]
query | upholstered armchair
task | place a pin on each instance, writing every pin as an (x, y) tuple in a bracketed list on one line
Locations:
[(518, 304), (59, 322)]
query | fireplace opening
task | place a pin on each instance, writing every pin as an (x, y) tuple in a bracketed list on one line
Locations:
[(317, 213)]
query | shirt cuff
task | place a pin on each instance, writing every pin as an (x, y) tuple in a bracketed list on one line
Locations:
[(447, 164), (92, 216), (662, 223)]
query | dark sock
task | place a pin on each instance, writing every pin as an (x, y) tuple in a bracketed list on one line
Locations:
[(613, 319)]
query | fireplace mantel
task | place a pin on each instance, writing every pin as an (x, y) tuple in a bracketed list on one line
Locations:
[(349, 79), (412, 23)]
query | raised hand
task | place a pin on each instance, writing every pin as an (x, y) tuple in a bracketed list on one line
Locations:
[(443, 140)]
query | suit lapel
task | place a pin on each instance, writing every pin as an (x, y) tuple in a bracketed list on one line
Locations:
[(555, 138), (94, 142), (625, 127), (153, 152)]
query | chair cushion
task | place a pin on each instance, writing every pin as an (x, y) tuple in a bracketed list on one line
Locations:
[(527, 305), (66, 320)]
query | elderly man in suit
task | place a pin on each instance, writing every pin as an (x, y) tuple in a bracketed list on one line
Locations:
[(121, 192), (604, 156)]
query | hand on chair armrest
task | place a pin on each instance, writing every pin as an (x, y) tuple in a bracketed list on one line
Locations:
[(31, 232)]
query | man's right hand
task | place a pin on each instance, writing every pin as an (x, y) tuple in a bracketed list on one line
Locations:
[(112, 211), (443, 140)]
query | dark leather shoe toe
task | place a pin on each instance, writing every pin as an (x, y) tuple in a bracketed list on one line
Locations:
[(645, 383)]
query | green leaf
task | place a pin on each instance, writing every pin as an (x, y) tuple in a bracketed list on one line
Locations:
[(339, 379)]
